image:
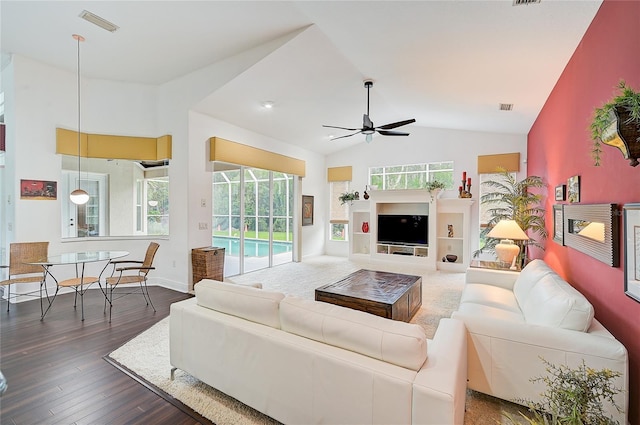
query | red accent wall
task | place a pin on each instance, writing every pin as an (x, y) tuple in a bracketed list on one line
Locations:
[(559, 146)]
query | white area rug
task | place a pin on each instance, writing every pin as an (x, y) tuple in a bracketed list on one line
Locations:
[(147, 355)]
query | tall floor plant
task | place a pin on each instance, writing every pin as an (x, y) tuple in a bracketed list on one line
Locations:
[(510, 199)]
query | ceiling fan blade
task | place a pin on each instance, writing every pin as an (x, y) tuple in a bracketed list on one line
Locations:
[(366, 121), (341, 128), (348, 135), (397, 124), (392, 133)]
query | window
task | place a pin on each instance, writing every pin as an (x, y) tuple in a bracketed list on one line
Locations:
[(339, 215), (413, 176)]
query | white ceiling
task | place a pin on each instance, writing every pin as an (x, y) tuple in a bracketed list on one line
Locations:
[(448, 64)]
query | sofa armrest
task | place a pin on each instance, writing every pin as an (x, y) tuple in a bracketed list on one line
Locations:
[(439, 389), (604, 346), (502, 278)]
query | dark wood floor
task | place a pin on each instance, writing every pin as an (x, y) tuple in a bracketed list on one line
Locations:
[(55, 369)]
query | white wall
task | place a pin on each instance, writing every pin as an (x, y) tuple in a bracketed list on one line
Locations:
[(427, 145)]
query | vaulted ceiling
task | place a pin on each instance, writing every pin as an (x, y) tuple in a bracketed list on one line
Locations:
[(448, 64)]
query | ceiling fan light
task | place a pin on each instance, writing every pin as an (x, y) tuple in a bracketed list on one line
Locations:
[(79, 197), (368, 137)]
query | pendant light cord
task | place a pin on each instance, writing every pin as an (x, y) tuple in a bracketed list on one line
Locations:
[(79, 38)]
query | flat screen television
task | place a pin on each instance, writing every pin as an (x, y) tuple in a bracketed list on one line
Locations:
[(403, 229)]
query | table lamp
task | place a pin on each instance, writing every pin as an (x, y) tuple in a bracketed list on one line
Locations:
[(506, 250)]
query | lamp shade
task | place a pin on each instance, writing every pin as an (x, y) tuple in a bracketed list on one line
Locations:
[(79, 197), (507, 229)]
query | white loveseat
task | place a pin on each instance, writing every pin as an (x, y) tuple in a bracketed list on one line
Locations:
[(302, 361), (515, 319)]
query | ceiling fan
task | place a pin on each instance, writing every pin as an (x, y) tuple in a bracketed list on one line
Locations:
[(367, 125)]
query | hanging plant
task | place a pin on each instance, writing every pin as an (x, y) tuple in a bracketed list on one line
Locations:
[(348, 197), (617, 123)]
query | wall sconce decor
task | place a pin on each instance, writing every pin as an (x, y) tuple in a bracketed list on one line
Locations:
[(617, 124)]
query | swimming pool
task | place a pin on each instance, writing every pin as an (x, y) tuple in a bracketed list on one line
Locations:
[(252, 247)]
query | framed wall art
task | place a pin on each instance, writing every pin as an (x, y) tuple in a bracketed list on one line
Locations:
[(561, 191), (307, 210), (631, 220), (558, 223), (38, 190), (573, 189)]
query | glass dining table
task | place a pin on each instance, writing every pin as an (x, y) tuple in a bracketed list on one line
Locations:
[(80, 283)]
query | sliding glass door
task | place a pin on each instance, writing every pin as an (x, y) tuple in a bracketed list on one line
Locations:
[(253, 218)]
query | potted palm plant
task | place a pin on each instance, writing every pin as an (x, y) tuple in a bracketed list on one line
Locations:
[(510, 199), (617, 123)]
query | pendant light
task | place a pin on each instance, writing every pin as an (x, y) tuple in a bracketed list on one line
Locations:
[(79, 196)]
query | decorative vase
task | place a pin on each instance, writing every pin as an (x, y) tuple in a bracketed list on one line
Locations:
[(365, 227)]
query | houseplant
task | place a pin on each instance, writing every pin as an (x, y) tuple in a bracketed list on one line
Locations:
[(348, 197), (572, 397), (617, 123), (435, 187), (510, 199)]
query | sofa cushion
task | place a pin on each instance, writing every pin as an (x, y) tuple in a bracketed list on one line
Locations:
[(399, 343), (553, 302), (490, 295), (528, 278), (247, 302)]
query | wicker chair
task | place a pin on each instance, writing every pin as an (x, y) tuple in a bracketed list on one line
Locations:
[(131, 274), (19, 271)]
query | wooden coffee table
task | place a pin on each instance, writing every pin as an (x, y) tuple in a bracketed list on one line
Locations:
[(391, 295)]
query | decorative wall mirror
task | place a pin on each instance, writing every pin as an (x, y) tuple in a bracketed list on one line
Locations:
[(593, 229)]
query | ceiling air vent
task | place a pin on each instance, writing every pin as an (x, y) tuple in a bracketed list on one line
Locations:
[(521, 2), (97, 20), (506, 106)]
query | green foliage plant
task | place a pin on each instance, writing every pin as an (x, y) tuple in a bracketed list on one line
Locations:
[(572, 397), (628, 100), (348, 197), (434, 185), (510, 199)]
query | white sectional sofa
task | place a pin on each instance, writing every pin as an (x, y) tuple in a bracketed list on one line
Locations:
[(515, 319), (302, 361)]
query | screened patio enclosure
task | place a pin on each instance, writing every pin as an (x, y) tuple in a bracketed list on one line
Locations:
[(253, 218)]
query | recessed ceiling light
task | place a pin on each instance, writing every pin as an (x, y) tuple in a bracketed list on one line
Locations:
[(268, 104), (99, 21)]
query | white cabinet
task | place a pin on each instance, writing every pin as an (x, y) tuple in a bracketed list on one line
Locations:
[(453, 225)]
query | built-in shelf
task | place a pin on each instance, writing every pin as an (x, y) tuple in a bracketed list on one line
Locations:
[(453, 226)]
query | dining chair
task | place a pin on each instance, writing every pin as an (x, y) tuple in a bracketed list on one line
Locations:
[(128, 272), (20, 253)]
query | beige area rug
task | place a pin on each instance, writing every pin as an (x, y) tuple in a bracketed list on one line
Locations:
[(147, 355)]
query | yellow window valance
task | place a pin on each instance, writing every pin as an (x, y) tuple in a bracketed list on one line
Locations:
[(488, 164), (223, 150), (339, 174), (113, 147)]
